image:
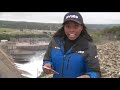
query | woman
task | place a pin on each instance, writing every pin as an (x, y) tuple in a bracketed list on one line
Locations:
[(71, 51)]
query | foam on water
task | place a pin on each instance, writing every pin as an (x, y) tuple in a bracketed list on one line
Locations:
[(34, 67)]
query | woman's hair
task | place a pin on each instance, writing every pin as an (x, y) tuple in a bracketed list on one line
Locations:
[(85, 34)]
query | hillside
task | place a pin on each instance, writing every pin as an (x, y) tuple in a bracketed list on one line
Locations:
[(48, 26), (29, 25)]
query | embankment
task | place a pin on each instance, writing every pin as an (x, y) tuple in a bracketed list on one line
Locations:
[(7, 67)]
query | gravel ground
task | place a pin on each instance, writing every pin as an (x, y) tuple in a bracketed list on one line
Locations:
[(109, 56)]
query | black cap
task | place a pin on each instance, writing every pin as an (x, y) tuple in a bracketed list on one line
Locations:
[(73, 16)]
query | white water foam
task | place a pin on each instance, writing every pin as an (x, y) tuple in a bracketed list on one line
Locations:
[(34, 67)]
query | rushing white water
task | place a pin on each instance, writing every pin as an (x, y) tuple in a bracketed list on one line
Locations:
[(34, 67)]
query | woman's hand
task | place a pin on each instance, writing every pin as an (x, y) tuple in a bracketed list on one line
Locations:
[(48, 70), (84, 76)]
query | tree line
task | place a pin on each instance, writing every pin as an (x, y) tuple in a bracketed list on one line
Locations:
[(29, 25), (106, 34)]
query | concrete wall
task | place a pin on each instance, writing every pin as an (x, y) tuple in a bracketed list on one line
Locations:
[(5, 72), (7, 67)]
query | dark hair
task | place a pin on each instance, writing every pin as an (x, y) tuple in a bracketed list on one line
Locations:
[(85, 34)]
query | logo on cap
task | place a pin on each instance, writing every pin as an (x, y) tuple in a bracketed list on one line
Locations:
[(72, 16)]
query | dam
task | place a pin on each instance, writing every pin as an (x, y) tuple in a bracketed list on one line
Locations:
[(12, 52)]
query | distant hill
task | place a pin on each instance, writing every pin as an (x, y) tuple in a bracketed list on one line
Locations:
[(48, 26), (29, 25), (98, 27)]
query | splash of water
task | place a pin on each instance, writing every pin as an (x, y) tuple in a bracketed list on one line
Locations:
[(34, 67)]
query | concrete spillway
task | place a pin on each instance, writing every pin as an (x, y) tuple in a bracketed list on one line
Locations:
[(7, 67)]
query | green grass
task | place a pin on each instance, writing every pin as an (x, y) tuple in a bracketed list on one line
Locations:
[(5, 30), (7, 33)]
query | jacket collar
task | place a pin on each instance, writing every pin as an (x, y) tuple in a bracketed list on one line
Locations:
[(81, 44)]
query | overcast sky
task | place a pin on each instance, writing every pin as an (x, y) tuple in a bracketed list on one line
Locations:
[(57, 17)]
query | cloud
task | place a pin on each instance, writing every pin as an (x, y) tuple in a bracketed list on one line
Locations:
[(57, 17), (101, 17)]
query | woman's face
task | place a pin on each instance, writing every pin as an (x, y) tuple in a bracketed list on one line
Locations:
[(72, 30)]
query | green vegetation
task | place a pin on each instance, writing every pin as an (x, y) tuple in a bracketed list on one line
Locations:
[(7, 33), (106, 34), (113, 33), (98, 36), (15, 29), (29, 25), (8, 30), (47, 26)]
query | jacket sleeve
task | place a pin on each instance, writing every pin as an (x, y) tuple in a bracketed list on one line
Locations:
[(93, 67), (47, 56)]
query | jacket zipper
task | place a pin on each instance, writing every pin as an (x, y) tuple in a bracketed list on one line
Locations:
[(63, 66), (68, 62)]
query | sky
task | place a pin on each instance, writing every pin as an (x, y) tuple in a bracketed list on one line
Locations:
[(57, 17)]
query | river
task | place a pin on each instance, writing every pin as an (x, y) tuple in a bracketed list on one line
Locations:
[(34, 66)]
